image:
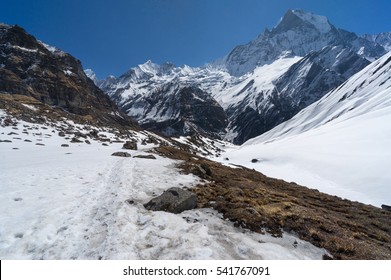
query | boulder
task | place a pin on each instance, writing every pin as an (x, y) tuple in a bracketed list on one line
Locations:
[(203, 171), (386, 207), (206, 168), (174, 200), (121, 154), (130, 145)]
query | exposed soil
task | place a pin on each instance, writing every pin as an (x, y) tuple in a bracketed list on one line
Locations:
[(348, 230)]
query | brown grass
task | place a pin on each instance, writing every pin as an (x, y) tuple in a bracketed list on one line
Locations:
[(348, 230)]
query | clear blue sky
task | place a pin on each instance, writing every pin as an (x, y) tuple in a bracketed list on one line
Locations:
[(112, 36)]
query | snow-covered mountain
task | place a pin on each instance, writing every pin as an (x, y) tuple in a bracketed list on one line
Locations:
[(260, 84), (167, 98), (91, 74), (339, 144), (176, 110), (299, 32)]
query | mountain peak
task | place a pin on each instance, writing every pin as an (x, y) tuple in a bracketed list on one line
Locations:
[(298, 18), (321, 23)]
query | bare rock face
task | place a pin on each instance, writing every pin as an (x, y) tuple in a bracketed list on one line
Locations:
[(174, 200)]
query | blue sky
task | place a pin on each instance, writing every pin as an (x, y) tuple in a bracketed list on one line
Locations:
[(112, 36)]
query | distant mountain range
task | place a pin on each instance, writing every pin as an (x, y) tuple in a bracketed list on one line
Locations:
[(258, 85)]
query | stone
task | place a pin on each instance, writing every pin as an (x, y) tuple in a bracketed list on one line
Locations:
[(129, 201), (94, 133), (206, 168), (64, 145), (145, 156), (78, 134), (254, 160), (203, 171), (386, 207), (87, 141), (75, 140), (130, 145), (121, 154), (174, 200)]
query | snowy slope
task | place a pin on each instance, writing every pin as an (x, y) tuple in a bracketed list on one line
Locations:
[(340, 144), (71, 203)]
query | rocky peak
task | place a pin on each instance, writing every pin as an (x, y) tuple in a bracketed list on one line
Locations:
[(293, 20), (15, 36)]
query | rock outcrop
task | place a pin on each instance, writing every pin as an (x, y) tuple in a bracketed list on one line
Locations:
[(174, 200)]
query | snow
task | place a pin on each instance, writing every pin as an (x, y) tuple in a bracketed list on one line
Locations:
[(349, 159), (339, 145), (262, 78), (52, 49), (91, 74), (69, 72), (31, 107), (23, 49), (70, 203)]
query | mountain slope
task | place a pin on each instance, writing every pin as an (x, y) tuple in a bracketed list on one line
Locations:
[(339, 144), (30, 67)]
